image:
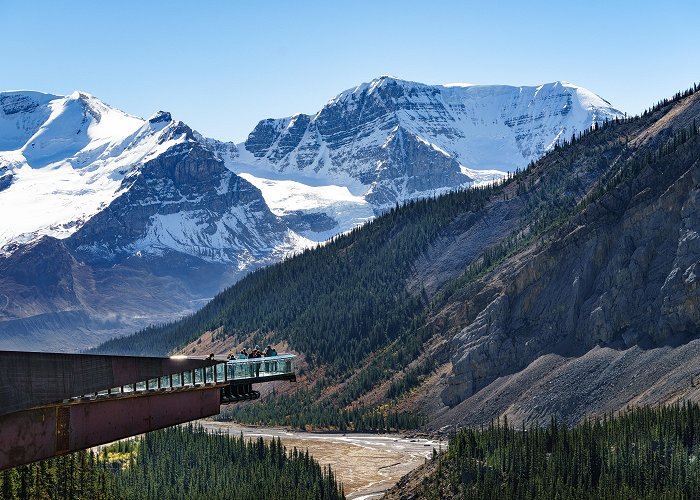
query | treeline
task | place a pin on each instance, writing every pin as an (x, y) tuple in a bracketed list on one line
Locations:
[(645, 453), (79, 476), (300, 411), (179, 462), (189, 462), (676, 97), (663, 103), (336, 303)]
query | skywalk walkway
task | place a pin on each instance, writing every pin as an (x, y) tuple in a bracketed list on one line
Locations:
[(232, 376)]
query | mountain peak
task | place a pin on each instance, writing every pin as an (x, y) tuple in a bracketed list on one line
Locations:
[(384, 79), (587, 98), (89, 101), (354, 138), (160, 116)]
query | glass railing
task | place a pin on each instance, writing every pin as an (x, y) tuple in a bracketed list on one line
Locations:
[(221, 373), (239, 369)]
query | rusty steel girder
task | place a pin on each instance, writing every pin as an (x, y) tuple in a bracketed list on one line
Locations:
[(42, 413), (52, 404), (38, 433)]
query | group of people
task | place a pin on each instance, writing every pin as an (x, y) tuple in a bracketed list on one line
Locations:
[(254, 353), (257, 353)]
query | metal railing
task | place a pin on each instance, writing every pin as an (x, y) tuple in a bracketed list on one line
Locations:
[(225, 372)]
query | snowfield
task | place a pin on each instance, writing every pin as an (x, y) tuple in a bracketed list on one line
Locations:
[(287, 196)]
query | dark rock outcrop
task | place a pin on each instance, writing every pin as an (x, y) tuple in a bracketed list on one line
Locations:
[(215, 214)]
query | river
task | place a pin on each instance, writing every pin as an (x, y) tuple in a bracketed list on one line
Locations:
[(367, 464)]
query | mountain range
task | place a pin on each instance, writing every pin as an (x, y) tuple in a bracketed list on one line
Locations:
[(568, 290), (114, 222), (391, 140)]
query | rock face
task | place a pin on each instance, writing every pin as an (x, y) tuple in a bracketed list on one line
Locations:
[(392, 140), (621, 276), (187, 202), (626, 277)]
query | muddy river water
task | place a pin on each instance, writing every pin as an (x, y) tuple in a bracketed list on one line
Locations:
[(367, 464)]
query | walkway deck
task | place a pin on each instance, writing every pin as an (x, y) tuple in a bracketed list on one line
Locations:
[(222, 374)]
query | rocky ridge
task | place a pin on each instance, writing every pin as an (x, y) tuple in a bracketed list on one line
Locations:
[(392, 140)]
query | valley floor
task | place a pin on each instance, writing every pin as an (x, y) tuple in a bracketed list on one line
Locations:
[(367, 464)]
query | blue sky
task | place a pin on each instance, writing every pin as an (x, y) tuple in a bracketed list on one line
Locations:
[(223, 66)]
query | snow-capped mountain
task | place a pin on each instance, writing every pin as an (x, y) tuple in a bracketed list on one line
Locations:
[(117, 185), (391, 140), (104, 196), (111, 222), (54, 149)]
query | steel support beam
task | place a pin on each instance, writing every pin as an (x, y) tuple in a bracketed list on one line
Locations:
[(42, 414), (39, 433)]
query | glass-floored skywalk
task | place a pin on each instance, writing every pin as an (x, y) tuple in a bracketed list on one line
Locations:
[(235, 377)]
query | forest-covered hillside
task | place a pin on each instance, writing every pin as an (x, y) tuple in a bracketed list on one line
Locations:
[(644, 453), (376, 312)]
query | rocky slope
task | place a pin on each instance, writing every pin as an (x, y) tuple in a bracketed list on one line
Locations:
[(598, 311), (605, 310)]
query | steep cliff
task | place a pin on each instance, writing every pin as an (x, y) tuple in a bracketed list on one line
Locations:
[(612, 284)]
